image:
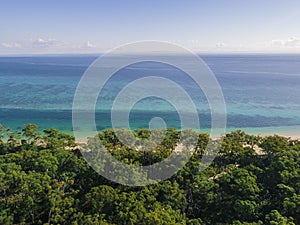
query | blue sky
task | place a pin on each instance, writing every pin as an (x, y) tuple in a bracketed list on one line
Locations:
[(89, 26)]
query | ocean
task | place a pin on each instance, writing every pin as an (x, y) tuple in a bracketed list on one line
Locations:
[(261, 92)]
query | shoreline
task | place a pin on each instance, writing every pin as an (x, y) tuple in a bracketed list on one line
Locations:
[(290, 132)]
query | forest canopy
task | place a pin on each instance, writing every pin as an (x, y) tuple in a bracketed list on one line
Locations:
[(44, 179)]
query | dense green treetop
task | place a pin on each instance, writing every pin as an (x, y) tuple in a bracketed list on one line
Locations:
[(44, 179)]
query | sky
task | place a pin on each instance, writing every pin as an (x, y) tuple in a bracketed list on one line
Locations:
[(96, 26)]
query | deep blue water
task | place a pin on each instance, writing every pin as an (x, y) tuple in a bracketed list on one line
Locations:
[(260, 91)]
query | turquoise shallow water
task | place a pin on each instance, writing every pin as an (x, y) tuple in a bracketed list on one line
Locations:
[(261, 92)]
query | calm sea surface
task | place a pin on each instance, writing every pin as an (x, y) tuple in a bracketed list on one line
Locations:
[(262, 92)]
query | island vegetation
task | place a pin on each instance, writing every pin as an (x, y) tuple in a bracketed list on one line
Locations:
[(44, 179)]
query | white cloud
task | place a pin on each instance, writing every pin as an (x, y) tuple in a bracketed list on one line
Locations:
[(88, 44), (291, 42), (220, 45), (41, 42), (40, 45), (11, 45)]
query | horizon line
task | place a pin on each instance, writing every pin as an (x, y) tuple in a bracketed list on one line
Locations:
[(97, 54)]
